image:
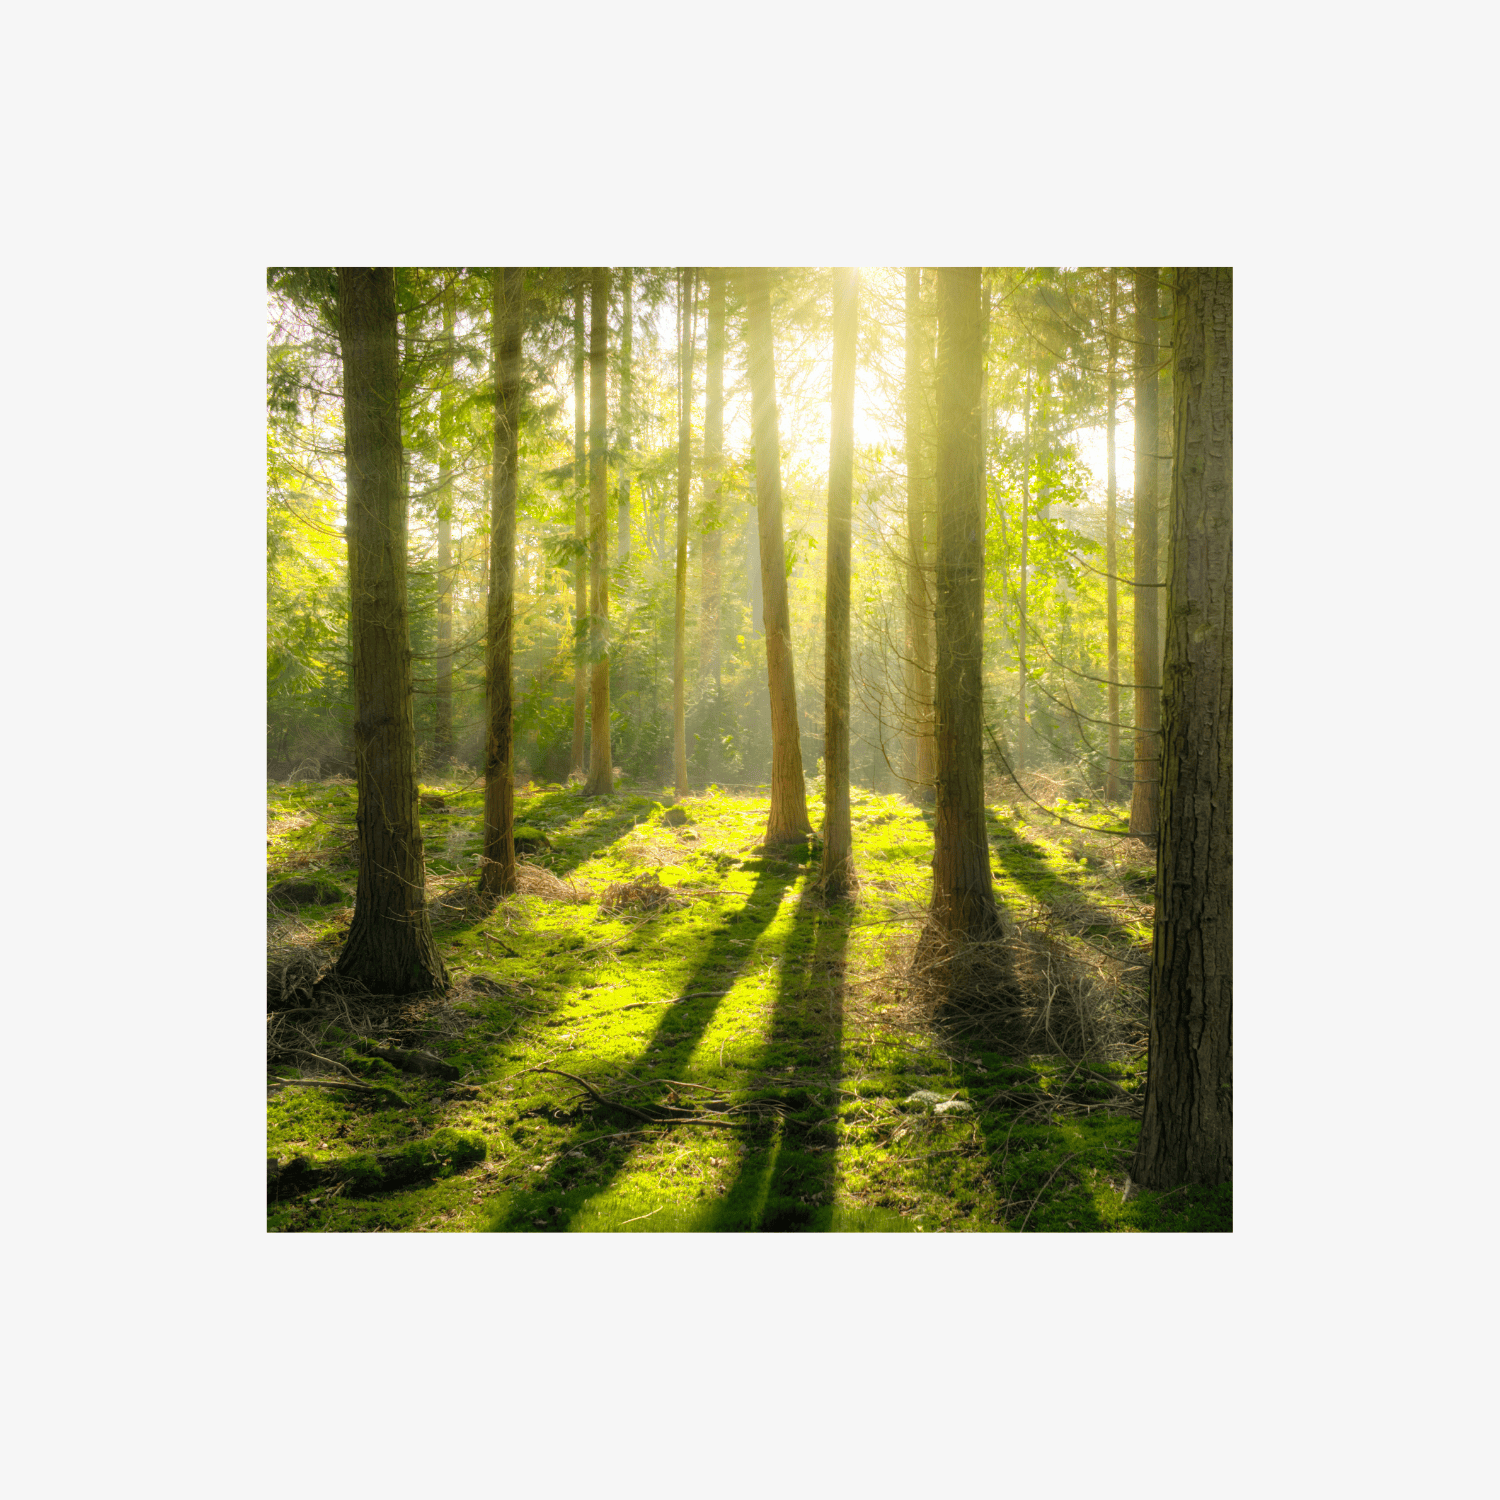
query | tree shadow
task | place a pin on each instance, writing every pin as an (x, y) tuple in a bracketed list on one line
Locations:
[(678, 1031)]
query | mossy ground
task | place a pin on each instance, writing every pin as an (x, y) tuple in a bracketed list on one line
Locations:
[(749, 989)]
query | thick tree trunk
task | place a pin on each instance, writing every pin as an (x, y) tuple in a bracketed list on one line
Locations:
[(497, 871), (687, 282), (1143, 810), (601, 780), (838, 876), (788, 822), (389, 948), (1111, 563), (580, 538), (442, 736), (919, 758), (1187, 1130), (963, 894)]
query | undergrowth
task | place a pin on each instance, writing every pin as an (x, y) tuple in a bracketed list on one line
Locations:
[(668, 1029)]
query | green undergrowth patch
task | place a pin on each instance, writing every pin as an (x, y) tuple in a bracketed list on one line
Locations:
[(729, 1057)]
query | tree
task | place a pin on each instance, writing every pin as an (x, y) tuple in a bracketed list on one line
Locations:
[(710, 584), (389, 948), (919, 756), (788, 821), (1111, 563), (627, 318), (1187, 1130), (687, 282), (963, 893), (1143, 810), (442, 735), (580, 536), (601, 780), (497, 874), (838, 875)]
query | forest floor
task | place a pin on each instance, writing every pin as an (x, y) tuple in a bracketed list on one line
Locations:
[(672, 1031)]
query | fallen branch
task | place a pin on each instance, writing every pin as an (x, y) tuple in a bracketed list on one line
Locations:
[(339, 1083)]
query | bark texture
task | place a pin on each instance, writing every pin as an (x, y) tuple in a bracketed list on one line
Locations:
[(580, 536), (1187, 1131), (442, 734), (1143, 793), (788, 822), (963, 893), (627, 415), (838, 876), (919, 760), (389, 948), (497, 871), (710, 582), (601, 780), (1112, 561)]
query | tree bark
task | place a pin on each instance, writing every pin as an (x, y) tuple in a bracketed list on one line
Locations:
[(627, 378), (1111, 562), (1143, 793), (1163, 451), (963, 894), (442, 736), (580, 537), (1021, 600), (838, 875), (1187, 1131), (709, 664), (389, 948), (687, 282), (497, 871), (919, 754), (788, 821), (601, 780)]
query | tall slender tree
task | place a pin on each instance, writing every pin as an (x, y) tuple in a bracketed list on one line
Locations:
[(1143, 810), (1111, 557), (1022, 598), (498, 869), (919, 754), (788, 821), (687, 283), (710, 583), (442, 735), (601, 780), (838, 876), (1163, 447), (963, 893), (1187, 1129), (389, 948), (580, 536), (627, 412)]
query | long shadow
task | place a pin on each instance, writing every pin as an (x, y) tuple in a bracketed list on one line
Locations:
[(787, 1184), (627, 812), (679, 1029)]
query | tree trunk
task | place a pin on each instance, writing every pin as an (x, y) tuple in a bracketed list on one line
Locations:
[(626, 430), (389, 948), (497, 871), (919, 754), (1187, 1130), (601, 780), (580, 538), (1163, 451), (1112, 564), (1021, 601), (442, 737), (838, 876), (687, 282), (788, 822), (963, 894), (1143, 811), (709, 664)]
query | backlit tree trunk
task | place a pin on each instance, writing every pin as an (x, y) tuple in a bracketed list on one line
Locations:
[(788, 822), (627, 378), (1112, 565), (1187, 1130), (601, 780), (580, 537), (389, 948), (498, 869), (1163, 451), (919, 753), (1021, 596), (963, 894), (442, 737), (838, 875), (710, 583), (687, 282), (1143, 810)]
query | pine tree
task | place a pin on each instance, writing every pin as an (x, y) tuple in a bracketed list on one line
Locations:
[(1143, 810), (601, 780)]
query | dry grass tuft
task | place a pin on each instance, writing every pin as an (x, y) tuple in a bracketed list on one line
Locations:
[(534, 880), (644, 893)]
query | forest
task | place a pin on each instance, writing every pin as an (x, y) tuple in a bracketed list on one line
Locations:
[(749, 749)]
